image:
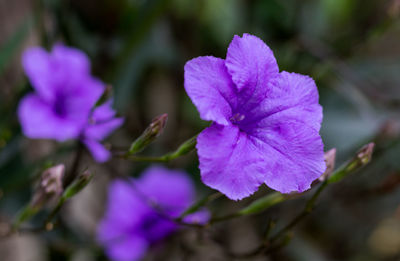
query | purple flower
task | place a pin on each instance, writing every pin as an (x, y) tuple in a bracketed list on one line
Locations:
[(132, 224), (65, 93), (265, 122)]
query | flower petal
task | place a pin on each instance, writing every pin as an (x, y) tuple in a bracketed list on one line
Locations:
[(81, 98), (290, 95), (285, 126), (38, 66), (295, 153), (155, 227), (38, 120), (102, 122), (74, 79), (127, 248), (230, 162), (124, 207), (200, 217), (98, 151), (172, 189), (250, 62), (101, 130), (104, 112), (73, 60), (118, 230), (210, 88)]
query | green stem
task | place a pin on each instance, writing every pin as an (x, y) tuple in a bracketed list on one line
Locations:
[(54, 212), (25, 214), (145, 159), (74, 188), (224, 218), (183, 149), (71, 175), (257, 206)]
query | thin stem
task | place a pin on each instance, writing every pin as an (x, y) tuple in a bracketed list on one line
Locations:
[(268, 245), (70, 176), (54, 212), (307, 210), (183, 149), (146, 159), (224, 218), (267, 232), (362, 158), (257, 206)]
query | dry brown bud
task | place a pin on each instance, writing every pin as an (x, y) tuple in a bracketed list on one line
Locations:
[(330, 158), (50, 186), (365, 153)]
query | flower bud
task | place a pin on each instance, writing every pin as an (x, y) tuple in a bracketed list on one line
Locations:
[(80, 182), (330, 158), (149, 135), (362, 158), (48, 190), (50, 186), (365, 153), (183, 149)]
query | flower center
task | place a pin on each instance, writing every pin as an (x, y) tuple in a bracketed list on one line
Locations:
[(59, 107), (237, 117), (150, 222)]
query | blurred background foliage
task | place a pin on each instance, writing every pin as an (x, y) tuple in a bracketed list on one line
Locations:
[(350, 47)]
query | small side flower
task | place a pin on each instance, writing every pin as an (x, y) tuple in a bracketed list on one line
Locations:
[(141, 212), (65, 93)]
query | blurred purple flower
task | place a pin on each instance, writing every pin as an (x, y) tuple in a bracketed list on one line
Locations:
[(65, 93), (265, 123), (132, 224)]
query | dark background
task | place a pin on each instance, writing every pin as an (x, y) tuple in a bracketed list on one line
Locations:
[(350, 47)]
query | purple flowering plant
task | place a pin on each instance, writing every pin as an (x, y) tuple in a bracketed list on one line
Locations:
[(61, 108), (131, 224), (265, 123), (264, 130)]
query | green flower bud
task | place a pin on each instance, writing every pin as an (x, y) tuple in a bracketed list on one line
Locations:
[(154, 130)]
